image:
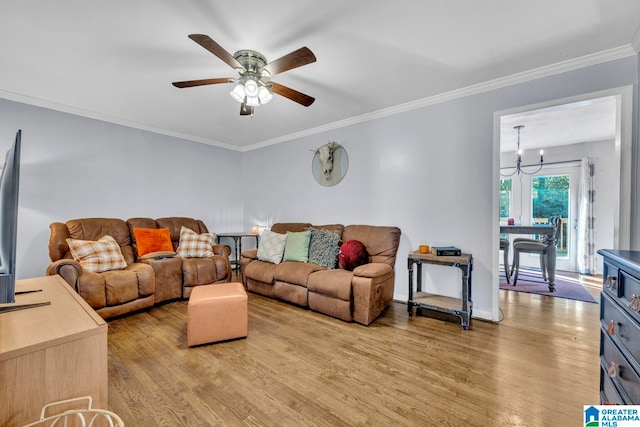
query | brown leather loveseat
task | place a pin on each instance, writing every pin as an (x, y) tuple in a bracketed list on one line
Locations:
[(145, 281), (359, 295)]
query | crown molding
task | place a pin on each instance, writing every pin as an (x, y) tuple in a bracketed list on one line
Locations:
[(537, 73), (635, 42), (534, 74), (38, 102)]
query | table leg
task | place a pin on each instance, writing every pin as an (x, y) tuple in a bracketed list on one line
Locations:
[(465, 315), (236, 260), (551, 265), (410, 300)]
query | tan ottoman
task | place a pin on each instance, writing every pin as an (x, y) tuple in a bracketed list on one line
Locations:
[(216, 313)]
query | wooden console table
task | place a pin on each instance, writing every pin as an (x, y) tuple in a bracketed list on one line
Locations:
[(461, 307), (50, 353)]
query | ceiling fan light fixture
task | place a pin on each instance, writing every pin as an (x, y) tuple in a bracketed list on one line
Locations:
[(238, 93), (252, 101), (251, 87), (264, 95)]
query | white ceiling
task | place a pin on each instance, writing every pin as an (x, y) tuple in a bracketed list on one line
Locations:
[(593, 120), (115, 60)]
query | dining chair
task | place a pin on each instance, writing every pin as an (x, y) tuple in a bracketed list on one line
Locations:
[(532, 246), (504, 246)]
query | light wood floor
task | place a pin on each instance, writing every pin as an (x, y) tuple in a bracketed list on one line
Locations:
[(538, 367)]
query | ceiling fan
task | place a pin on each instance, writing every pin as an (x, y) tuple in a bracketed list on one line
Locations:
[(254, 86)]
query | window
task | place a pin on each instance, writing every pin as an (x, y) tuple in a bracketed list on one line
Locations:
[(550, 196), (505, 198)]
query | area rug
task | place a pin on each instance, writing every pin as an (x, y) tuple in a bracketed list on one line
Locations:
[(530, 281)]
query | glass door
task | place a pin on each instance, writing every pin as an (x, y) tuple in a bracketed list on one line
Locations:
[(533, 199)]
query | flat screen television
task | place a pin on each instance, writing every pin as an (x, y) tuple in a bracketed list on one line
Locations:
[(9, 186)]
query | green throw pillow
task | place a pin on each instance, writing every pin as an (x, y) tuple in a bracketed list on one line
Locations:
[(297, 246)]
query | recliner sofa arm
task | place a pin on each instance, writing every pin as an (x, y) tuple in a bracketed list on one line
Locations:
[(250, 253), (221, 249), (58, 240), (68, 269), (372, 286), (372, 269)]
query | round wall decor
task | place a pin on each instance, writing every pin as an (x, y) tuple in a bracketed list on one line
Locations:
[(330, 164)]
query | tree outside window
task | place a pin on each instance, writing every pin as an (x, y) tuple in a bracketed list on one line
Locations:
[(550, 196), (505, 197)]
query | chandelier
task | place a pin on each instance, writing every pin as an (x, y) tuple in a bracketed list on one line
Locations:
[(519, 167)]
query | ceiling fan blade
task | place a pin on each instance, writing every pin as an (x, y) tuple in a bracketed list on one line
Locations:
[(246, 110), (293, 95), (213, 47), (191, 83), (295, 59)]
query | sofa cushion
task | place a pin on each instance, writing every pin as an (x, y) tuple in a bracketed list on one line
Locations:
[(283, 227), (199, 271), (97, 256), (152, 240), (271, 247), (332, 283), (381, 242), (260, 271), (323, 248), (297, 246), (120, 287), (94, 228), (352, 254), (175, 224), (296, 273), (337, 229), (194, 245)]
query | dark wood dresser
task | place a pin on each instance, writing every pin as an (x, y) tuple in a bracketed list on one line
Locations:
[(620, 331)]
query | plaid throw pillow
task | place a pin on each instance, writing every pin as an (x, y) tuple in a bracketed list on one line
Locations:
[(97, 256), (194, 245)]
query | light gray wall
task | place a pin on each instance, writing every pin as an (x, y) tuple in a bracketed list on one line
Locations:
[(73, 167), (428, 171)]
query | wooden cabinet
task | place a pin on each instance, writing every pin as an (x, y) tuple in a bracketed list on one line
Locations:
[(620, 328), (50, 353)]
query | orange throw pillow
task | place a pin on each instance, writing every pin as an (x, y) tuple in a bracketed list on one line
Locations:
[(152, 240)]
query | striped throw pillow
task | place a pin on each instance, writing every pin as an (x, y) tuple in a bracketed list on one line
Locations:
[(194, 245), (99, 255)]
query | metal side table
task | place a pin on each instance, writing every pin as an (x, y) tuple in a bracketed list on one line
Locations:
[(237, 244), (461, 307)]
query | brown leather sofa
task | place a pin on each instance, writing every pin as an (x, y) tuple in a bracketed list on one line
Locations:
[(359, 295), (145, 281)]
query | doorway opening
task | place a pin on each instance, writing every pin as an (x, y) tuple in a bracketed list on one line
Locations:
[(514, 195)]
